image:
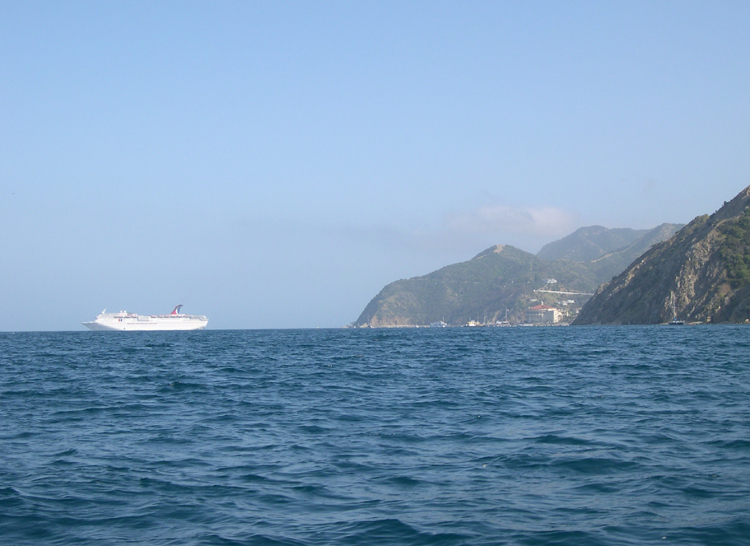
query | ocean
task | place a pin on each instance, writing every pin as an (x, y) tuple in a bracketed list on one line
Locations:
[(454, 436)]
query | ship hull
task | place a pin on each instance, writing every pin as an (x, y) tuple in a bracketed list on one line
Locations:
[(144, 326)]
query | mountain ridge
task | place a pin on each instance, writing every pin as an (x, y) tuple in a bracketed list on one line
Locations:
[(589, 243), (502, 280)]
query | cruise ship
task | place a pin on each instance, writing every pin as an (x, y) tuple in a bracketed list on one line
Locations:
[(124, 321)]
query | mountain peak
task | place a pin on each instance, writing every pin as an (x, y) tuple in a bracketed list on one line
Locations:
[(497, 249), (589, 243)]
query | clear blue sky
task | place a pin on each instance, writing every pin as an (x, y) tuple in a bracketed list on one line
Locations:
[(275, 164)]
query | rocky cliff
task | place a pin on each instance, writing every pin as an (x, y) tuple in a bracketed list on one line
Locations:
[(706, 265)]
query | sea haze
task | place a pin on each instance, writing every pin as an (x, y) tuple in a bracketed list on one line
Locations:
[(455, 436)]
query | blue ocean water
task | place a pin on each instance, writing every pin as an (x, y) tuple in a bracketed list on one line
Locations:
[(472, 436)]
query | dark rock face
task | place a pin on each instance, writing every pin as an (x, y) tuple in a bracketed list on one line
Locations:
[(703, 265)]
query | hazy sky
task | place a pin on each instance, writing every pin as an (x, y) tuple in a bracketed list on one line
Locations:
[(275, 164)]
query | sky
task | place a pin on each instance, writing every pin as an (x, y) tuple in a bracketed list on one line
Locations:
[(274, 164)]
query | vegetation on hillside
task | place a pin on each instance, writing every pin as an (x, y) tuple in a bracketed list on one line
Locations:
[(504, 281), (735, 250), (589, 243)]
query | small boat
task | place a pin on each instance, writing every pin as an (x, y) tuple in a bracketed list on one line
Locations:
[(438, 324), (675, 321)]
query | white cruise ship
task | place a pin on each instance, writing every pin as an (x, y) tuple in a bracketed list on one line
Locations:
[(124, 321)]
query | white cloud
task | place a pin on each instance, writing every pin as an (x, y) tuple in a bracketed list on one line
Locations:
[(499, 220), (450, 239)]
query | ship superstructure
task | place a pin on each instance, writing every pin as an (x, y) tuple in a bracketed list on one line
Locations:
[(124, 321)]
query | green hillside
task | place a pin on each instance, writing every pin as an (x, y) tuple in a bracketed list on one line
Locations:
[(503, 280), (589, 243)]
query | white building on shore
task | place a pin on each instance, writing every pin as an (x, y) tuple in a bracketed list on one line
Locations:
[(543, 314)]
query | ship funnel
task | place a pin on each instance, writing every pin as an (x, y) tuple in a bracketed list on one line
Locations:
[(176, 310)]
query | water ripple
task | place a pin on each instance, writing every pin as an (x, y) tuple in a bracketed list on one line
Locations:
[(528, 436)]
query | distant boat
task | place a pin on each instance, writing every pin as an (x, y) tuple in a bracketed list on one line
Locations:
[(124, 321), (504, 323), (438, 324), (675, 321)]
